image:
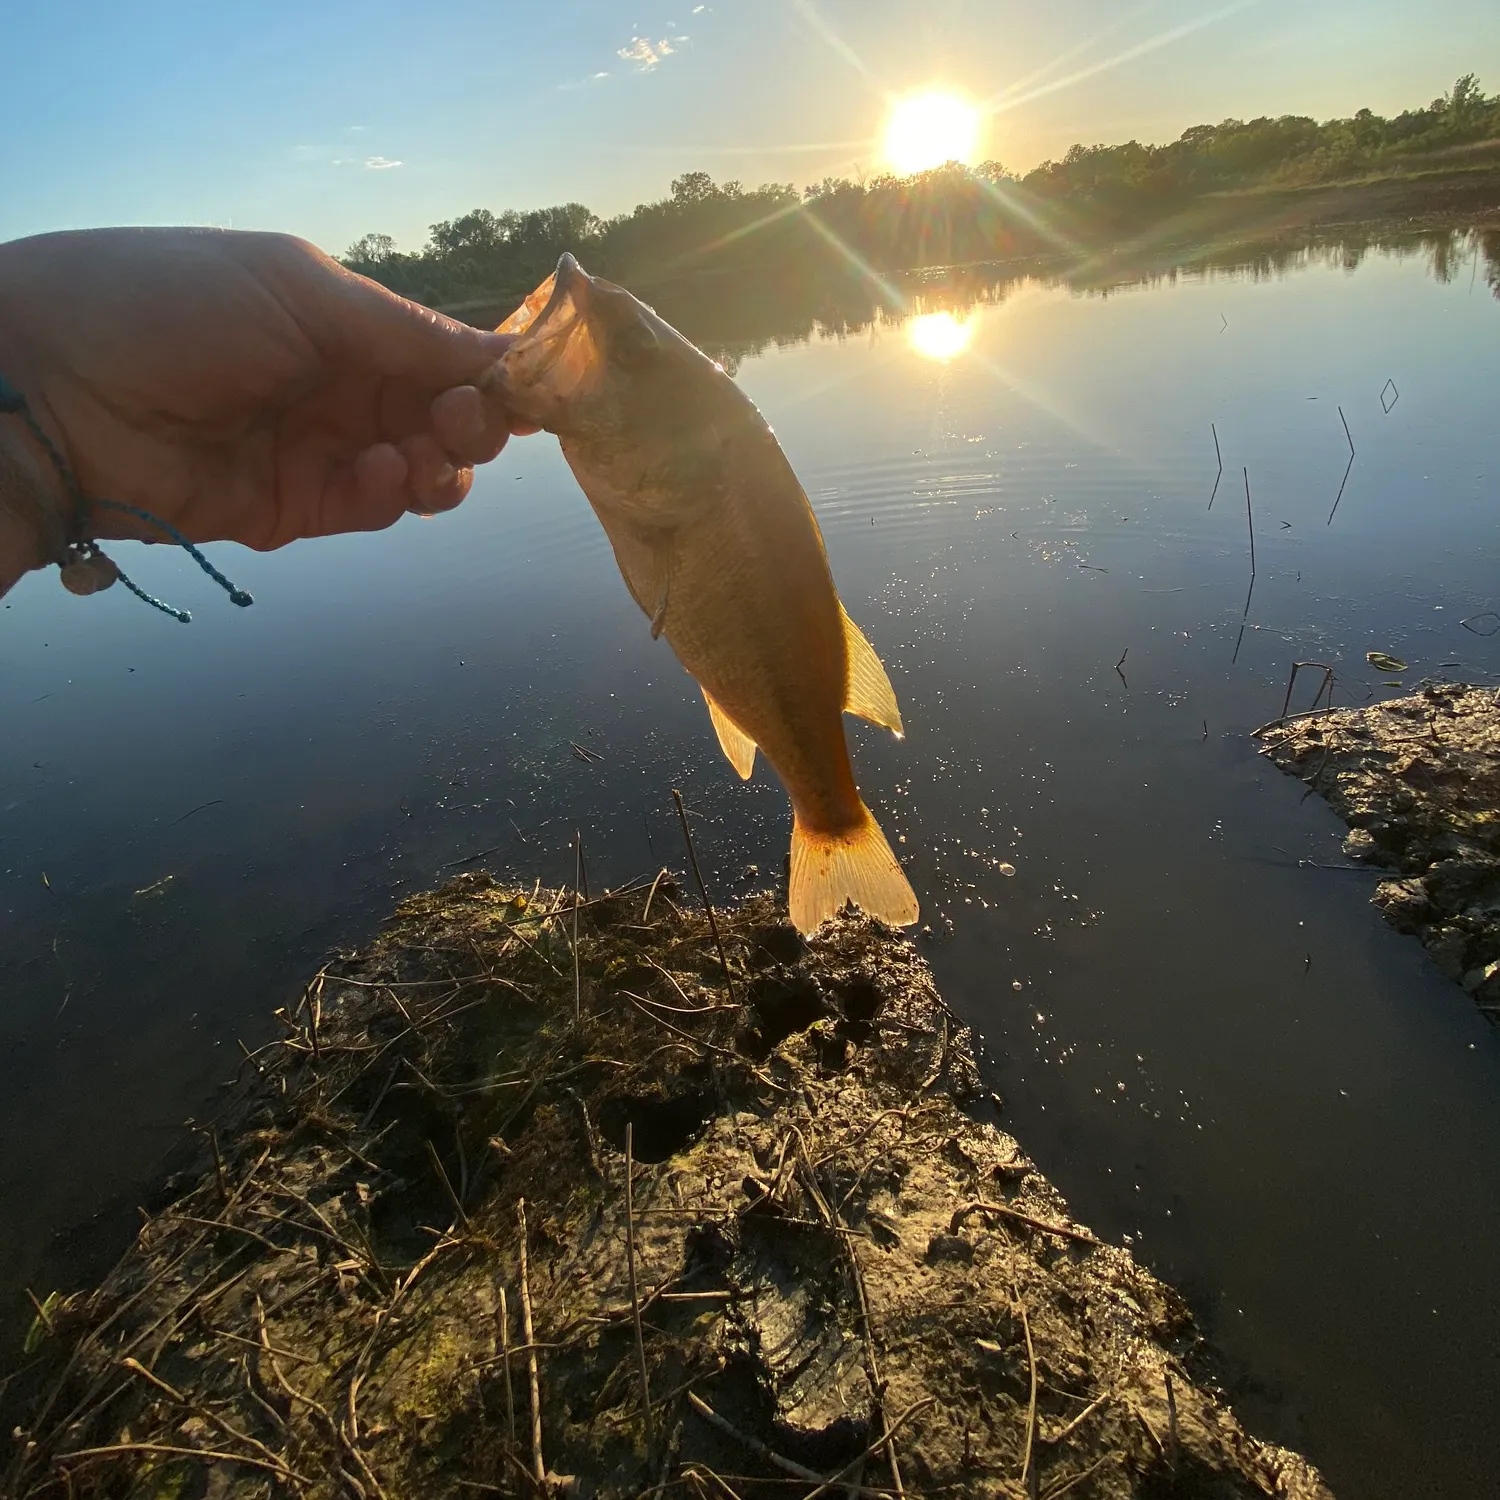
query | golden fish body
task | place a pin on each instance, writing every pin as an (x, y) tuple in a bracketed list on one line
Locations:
[(718, 545)]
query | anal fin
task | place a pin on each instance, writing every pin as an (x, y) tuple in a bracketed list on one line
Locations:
[(733, 741), (870, 694)]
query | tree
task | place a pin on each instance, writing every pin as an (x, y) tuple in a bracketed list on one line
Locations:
[(1466, 98), (371, 250), (693, 187)]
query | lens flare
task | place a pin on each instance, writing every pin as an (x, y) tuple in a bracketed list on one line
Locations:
[(927, 129), (939, 335)]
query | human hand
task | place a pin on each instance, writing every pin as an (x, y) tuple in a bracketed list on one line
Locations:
[(242, 386)]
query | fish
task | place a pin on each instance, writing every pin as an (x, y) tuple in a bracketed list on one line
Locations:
[(718, 545)]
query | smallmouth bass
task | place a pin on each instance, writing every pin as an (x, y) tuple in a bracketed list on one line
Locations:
[(718, 545)]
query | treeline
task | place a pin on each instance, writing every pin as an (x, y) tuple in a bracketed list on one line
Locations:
[(946, 216)]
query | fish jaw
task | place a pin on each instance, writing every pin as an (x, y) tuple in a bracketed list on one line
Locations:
[(556, 359)]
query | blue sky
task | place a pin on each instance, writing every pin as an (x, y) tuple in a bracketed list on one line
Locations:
[(331, 118)]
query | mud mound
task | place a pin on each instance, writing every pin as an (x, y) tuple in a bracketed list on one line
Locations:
[(506, 1213), (1418, 781)]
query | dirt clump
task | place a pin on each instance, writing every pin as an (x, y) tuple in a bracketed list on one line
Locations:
[(508, 1212), (1418, 781)]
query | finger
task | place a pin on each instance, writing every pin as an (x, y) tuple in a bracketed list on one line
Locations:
[(471, 429), (367, 495), (380, 331), (436, 483)]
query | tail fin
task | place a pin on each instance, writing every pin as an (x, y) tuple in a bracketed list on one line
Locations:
[(856, 865)]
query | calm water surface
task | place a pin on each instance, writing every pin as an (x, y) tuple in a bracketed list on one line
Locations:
[(1214, 1049)]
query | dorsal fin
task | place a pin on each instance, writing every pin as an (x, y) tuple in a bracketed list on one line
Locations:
[(733, 741), (870, 694)]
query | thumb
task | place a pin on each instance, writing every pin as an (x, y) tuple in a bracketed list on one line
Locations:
[(404, 340)]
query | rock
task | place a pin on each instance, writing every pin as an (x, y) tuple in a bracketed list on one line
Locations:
[(789, 1232), (1404, 903), (1418, 781), (1449, 947)]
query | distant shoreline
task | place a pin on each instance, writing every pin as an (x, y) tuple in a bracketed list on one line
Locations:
[(1217, 223)]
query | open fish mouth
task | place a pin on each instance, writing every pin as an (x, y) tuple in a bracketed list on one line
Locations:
[(556, 356)]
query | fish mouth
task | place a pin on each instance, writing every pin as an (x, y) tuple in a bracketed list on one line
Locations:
[(554, 356), (570, 280)]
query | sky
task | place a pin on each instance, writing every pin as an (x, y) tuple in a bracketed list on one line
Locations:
[(331, 119)]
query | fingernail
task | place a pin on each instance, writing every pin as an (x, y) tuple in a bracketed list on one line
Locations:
[(444, 477)]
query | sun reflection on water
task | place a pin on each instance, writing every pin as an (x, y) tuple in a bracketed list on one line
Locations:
[(939, 335)]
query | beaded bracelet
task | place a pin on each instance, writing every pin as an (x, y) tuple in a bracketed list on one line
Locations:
[(84, 566)]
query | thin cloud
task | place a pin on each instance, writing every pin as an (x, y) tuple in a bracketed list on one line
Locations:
[(380, 164), (583, 83), (647, 55), (641, 53)]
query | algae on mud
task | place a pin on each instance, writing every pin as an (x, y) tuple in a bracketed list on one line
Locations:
[(1418, 781), (412, 1266)]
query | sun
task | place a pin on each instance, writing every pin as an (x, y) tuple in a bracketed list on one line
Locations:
[(939, 335), (926, 129)]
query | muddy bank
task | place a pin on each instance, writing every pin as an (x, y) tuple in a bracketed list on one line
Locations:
[(1418, 781), (506, 1213)]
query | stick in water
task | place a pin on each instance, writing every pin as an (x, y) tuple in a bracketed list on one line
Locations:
[(1250, 519), (708, 906)]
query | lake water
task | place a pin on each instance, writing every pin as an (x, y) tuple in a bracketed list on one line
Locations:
[(1212, 1047)]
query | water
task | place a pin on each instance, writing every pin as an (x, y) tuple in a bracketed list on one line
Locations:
[(1213, 1049)]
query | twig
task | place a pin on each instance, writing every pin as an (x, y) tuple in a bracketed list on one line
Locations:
[(853, 1468), (43, 1315), (469, 859), (754, 1444), (635, 1296), (1064, 1432), (453, 1198), (1291, 682), (646, 915), (1026, 1470), (227, 1428), (1218, 455), (1311, 713), (1078, 1236), (1348, 469), (531, 1369), (831, 1217), (1250, 521), (201, 807), (214, 1455), (1172, 1443), (642, 1006), (708, 906), (503, 1314), (577, 973), (1058, 1491)]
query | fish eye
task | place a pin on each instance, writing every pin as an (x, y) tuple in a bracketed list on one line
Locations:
[(634, 345)]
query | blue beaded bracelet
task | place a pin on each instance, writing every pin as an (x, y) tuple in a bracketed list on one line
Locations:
[(85, 568)]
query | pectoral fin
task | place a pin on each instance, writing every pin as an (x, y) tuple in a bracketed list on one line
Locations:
[(733, 741), (869, 694), (646, 564)]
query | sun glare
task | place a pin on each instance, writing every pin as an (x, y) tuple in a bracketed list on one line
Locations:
[(925, 130), (939, 335)]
